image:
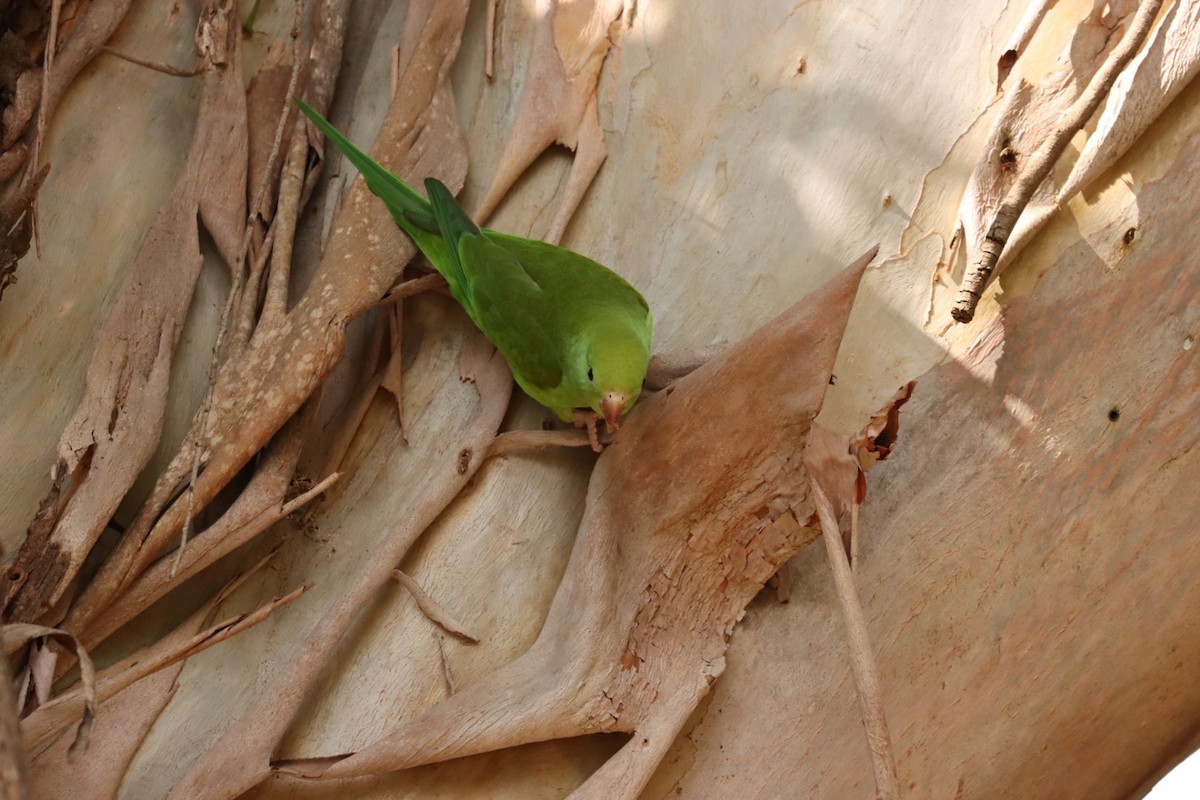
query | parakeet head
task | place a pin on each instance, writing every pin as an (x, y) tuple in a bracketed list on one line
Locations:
[(616, 362)]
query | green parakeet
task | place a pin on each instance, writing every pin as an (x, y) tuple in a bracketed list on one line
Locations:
[(576, 335)]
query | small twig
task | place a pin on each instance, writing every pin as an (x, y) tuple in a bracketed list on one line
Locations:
[(40, 136), (431, 282), (512, 441), (433, 609), (395, 70), (447, 673), (48, 719), (1043, 159), (854, 536), (862, 662), (301, 499), (489, 58), (165, 69)]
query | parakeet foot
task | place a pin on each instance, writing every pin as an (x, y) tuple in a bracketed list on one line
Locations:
[(588, 419)]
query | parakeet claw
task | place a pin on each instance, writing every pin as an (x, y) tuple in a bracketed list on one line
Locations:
[(588, 419)]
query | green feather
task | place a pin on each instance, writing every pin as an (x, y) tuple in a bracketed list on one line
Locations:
[(453, 225)]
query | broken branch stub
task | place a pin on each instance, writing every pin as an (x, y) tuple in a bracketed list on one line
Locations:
[(697, 503), (1039, 164)]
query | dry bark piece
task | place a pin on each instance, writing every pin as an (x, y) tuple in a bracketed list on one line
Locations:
[(1151, 82), (19, 633), (661, 570), (127, 712)]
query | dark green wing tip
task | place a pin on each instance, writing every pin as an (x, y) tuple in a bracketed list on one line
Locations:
[(434, 186), (452, 219)]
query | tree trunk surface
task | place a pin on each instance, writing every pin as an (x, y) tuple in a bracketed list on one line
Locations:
[(597, 626)]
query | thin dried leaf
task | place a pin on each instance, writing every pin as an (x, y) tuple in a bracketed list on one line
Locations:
[(16, 634)]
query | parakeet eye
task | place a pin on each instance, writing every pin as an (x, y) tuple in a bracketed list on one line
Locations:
[(590, 377)]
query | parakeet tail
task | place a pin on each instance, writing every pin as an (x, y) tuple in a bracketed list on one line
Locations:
[(407, 207)]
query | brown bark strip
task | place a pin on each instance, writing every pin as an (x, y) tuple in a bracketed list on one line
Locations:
[(563, 77), (1042, 161), (52, 717), (259, 506), (237, 293), (516, 441)]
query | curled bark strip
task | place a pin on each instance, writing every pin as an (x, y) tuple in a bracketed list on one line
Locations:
[(260, 505), (1042, 161), (1169, 62), (52, 717), (17, 634), (433, 609), (515, 441)]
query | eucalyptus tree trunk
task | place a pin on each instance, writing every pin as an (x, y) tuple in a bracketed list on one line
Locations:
[(317, 543)]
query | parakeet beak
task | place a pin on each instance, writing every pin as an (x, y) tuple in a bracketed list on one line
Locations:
[(612, 404)]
